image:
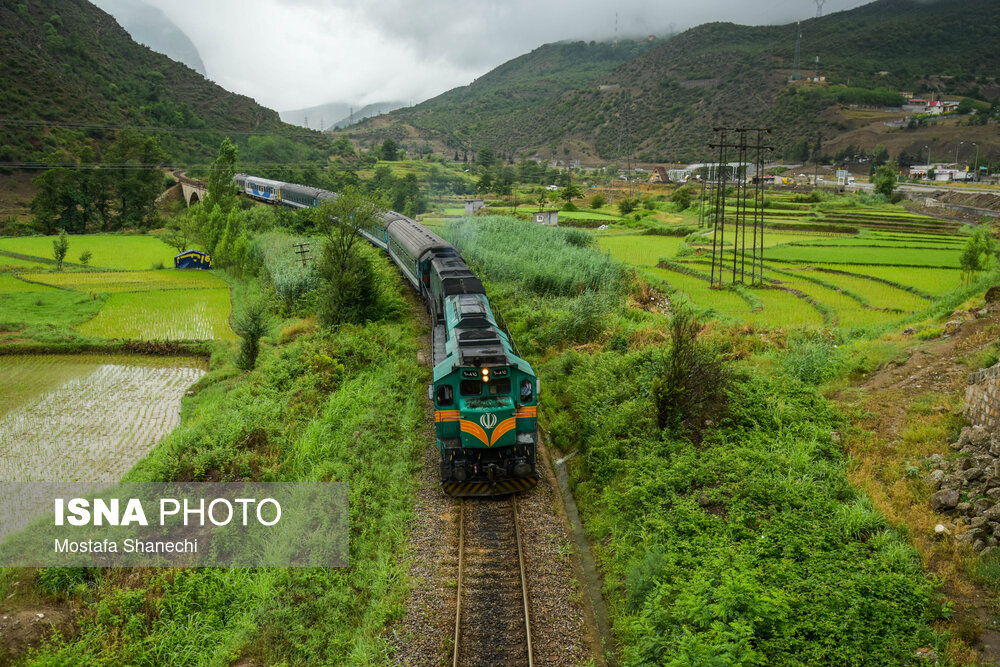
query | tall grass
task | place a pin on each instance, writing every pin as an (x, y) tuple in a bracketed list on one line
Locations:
[(284, 268), (544, 260)]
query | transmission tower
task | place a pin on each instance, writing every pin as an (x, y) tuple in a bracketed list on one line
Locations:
[(623, 146), (819, 8)]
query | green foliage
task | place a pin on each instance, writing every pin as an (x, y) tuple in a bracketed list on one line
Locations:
[(626, 205), (691, 379), (682, 197), (60, 246), (348, 289), (812, 359), (597, 201), (750, 548), (290, 277), (389, 151), (86, 256), (884, 180), (977, 253), (251, 323), (222, 189), (543, 260)]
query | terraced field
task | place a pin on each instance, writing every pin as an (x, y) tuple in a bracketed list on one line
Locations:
[(891, 264)]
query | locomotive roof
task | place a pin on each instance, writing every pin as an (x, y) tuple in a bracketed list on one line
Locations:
[(456, 278), (413, 236)]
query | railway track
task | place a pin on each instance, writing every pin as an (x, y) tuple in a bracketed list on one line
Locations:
[(492, 623)]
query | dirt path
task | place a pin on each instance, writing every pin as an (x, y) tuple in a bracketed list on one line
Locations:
[(894, 436)]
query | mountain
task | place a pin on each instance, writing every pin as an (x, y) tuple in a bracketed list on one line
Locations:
[(504, 107), (68, 63), (672, 95), (366, 111), (335, 114), (150, 26)]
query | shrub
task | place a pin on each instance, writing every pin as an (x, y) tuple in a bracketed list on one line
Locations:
[(692, 380), (811, 361), (252, 323), (85, 257), (597, 201)]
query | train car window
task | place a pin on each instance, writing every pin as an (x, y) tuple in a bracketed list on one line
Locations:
[(500, 387), (444, 395), (470, 388), (527, 387)]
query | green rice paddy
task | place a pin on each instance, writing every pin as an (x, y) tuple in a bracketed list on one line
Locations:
[(132, 302), (177, 314), (893, 264), (110, 251)]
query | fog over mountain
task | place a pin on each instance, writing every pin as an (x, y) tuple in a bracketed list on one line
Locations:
[(150, 26), (295, 54)]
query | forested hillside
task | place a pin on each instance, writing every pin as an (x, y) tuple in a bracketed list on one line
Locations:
[(67, 61), (721, 73)]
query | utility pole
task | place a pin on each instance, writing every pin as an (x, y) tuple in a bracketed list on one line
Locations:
[(819, 8), (956, 152)]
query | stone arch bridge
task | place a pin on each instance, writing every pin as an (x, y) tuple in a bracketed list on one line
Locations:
[(193, 191)]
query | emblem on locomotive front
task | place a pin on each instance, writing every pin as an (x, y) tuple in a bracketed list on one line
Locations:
[(489, 420)]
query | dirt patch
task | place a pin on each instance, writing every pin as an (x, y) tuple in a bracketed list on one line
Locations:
[(25, 628)]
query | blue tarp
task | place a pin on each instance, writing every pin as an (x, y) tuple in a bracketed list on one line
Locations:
[(193, 259)]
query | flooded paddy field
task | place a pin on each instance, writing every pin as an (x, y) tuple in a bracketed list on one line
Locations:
[(87, 417)]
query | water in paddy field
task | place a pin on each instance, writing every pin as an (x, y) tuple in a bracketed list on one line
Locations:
[(65, 419)]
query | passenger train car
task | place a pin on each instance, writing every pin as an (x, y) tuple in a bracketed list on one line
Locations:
[(485, 395)]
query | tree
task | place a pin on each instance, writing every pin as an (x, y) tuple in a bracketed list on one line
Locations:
[(85, 257), (682, 197), (486, 157), (222, 189), (626, 206), (390, 150), (348, 285), (60, 246), (976, 255), (597, 201), (136, 179), (569, 193), (884, 180)]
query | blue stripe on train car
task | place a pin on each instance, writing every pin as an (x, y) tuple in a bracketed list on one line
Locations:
[(193, 259)]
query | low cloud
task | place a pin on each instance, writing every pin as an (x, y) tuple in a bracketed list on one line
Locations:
[(290, 54)]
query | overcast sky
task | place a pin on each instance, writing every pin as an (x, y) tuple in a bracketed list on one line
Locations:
[(289, 54)]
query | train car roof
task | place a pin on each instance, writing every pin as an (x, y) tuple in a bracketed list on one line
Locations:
[(304, 190), (266, 181), (413, 236)]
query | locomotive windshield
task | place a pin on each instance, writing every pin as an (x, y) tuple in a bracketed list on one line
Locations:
[(499, 387)]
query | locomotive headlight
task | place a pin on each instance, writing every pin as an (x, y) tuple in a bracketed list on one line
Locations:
[(486, 375)]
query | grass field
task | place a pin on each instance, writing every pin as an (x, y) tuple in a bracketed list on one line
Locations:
[(128, 281), (178, 314), (109, 251)]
